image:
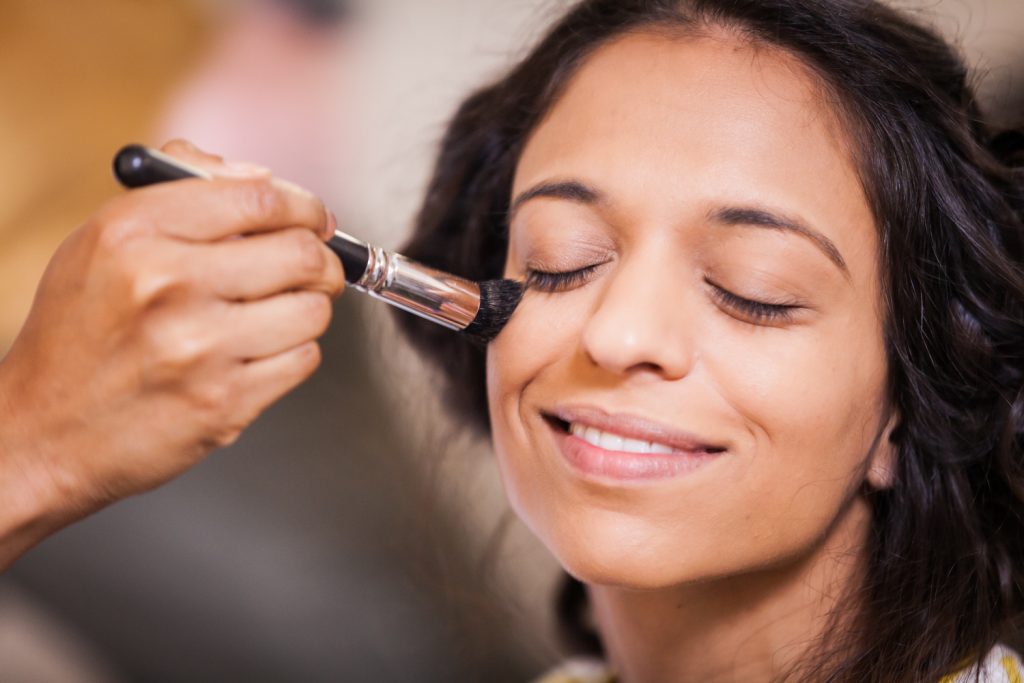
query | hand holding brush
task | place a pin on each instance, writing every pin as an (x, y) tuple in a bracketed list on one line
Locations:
[(172, 318), (157, 334), (478, 310)]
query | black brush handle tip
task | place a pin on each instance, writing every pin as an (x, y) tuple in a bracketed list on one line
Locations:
[(139, 166), (355, 256)]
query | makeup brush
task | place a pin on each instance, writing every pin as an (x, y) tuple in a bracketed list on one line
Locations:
[(478, 310)]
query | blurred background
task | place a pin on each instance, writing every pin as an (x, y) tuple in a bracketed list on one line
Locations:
[(352, 533)]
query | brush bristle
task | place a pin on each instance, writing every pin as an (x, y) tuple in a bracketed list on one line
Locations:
[(498, 301)]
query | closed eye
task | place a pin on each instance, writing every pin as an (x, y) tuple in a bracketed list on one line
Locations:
[(750, 310), (547, 281), (754, 311)]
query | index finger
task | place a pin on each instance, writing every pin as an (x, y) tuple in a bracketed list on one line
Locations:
[(210, 210)]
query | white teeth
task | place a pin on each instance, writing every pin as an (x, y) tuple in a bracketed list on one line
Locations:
[(635, 446), (614, 442)]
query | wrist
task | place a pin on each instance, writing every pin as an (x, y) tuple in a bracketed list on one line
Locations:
[(34, 500)]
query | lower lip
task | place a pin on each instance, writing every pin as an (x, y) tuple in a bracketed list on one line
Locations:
[(593, 461)]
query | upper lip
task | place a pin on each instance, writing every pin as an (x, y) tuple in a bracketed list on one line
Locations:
[(634, 427)]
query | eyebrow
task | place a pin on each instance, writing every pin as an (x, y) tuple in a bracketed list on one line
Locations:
[(762, 218), (571, 190), (748, 216)]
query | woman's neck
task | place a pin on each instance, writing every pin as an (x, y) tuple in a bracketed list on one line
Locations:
[(747, 628)]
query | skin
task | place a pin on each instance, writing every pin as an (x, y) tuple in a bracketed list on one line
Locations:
[(163, 326), (730, 571)]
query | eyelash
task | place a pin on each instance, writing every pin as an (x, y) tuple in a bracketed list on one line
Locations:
[(546, 281), (756, 311)]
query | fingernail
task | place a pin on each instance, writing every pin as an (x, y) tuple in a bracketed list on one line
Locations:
[(332, 225)]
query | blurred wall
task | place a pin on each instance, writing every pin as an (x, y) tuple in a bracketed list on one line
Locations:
[(991, 35), (78, 78)]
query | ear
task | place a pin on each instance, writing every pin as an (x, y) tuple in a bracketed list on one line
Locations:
[(882, 468)]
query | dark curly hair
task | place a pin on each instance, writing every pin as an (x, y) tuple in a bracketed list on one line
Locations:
[(945, 578)]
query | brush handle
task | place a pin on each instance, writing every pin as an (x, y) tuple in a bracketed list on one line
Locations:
[(440, 297), (138, 166)]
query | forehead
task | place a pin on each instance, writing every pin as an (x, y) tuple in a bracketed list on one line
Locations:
[(683, 89), (665, 122)]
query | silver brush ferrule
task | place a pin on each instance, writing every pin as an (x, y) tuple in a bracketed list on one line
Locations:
[(432, 294)]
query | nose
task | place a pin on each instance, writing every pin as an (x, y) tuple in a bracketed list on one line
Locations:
[(640, 321)]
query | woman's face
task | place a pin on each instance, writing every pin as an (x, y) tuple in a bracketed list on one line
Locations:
[(653, 426)]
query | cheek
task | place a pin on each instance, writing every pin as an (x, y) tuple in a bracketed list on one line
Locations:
[(543, 332), (810, 403)]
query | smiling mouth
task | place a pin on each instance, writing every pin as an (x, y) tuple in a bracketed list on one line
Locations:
[(612, 441), (645, 454)]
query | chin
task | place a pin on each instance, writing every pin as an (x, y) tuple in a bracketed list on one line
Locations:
[(620, 570), (623, 553)]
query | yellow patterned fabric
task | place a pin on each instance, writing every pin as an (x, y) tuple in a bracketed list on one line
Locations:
[(579, 671), (1001, 665)]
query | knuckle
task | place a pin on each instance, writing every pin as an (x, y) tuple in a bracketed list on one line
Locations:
[(226, 437), (211, 398), (225, 420), (262, 201), (221, 434), (306, 359), (115, 227), (151, 286), (309, 253), (175, 347), (313, 356), (319, 311)]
